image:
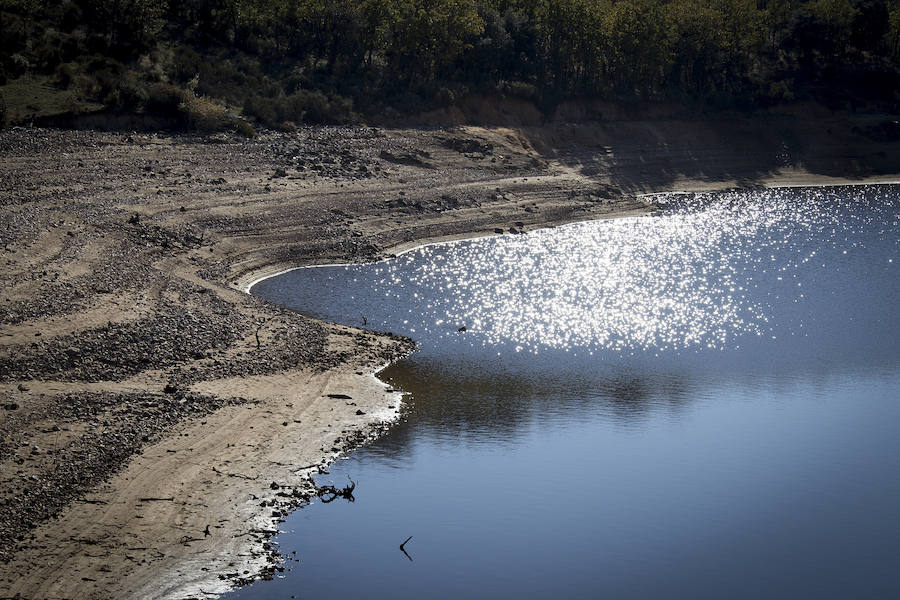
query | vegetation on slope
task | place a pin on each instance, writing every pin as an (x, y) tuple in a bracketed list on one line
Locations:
[(206, 63)]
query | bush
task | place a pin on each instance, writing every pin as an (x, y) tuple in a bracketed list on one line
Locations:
[(2, 112), (164, 99), (127, 93), (245, 129), (204, 115), (316, 107), (264, 110), (300, 107)]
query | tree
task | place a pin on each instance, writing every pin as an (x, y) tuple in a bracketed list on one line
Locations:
[(428, 35)]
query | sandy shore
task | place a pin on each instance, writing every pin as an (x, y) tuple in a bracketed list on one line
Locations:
[(157, 422)]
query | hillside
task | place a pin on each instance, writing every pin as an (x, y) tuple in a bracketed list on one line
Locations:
[(227, 64)]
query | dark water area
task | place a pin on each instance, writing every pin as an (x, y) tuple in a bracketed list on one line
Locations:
[(701, 404)]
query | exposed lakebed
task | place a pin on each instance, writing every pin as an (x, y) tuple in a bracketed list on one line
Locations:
[(699, 404)]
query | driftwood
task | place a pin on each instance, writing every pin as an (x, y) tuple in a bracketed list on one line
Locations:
[(329, 493)]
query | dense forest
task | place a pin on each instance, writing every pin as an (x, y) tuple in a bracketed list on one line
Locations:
[(279, 62)]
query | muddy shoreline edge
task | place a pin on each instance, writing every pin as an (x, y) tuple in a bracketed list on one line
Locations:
[(112, 236)]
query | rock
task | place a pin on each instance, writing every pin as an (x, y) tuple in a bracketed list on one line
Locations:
[(340, 396), (22, 387), (274, 485), (360, 412), (467, 146), (11, 406)]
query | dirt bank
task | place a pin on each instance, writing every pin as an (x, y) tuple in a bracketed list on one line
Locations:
[(157, 422)]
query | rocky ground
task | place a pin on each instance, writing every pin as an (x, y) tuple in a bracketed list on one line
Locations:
[(127, 342)]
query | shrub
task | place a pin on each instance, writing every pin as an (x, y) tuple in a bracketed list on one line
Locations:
[(126, 92), (2, 112), (164, 99), (300, 107), (316, 107), (245, 129), (264, 110), (204, 114)]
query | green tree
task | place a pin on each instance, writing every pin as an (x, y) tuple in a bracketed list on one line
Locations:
[(639, 50), (428, 35), (698, 47)]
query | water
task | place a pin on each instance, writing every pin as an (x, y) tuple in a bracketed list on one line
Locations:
[(702, 404)]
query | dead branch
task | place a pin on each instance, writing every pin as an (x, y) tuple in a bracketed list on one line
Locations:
[(403, 548), (329, 493), (188, 539)]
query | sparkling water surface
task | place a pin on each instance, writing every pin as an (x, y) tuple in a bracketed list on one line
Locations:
[(700, 404)]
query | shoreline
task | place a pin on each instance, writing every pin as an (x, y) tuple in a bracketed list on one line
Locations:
[(186, 225), (248, 281)]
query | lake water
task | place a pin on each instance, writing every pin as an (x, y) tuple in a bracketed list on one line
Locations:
[(701, 404)]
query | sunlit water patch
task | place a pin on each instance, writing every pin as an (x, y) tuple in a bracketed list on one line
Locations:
[(716, 272), (700, 404)]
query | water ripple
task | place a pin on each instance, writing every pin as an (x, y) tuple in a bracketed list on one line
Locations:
[(687, 279)]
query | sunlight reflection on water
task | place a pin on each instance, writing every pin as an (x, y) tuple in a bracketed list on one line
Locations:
[(706, 274)]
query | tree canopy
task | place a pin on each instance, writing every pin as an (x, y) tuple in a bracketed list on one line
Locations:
[(414, 54)]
